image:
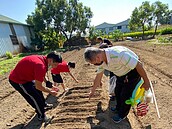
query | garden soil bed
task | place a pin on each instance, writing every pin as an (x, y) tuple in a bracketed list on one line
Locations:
[(73, 109)]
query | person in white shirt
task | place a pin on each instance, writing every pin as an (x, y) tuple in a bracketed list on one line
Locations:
[(125, 64)]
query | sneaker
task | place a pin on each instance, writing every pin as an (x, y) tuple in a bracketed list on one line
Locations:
[(113, 109), (45, 119), (112, 98), (117, 119), (48, 106), (40, 117)]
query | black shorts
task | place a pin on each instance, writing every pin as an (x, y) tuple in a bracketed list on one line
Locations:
[(57, 78)]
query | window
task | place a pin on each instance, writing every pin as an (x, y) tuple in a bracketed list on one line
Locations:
[(119, 27), (12, 29), (103, 29), (13, 36), (110, 28), (14, 39)]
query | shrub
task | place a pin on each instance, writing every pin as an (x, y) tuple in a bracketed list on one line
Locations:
[(9, 55), (166, 31), (75, 41), (162, 39)]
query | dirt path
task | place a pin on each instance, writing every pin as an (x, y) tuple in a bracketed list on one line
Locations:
[(73, 110)]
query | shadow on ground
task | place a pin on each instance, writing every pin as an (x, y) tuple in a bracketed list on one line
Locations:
[(104, 119), (34, 123)]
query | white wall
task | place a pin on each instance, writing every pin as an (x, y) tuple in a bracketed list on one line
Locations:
[(23, 36), (5, 41)]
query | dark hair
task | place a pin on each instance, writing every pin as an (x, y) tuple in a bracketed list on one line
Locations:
[(99, 38), (55, 56), (72, 65), (107, 41), (104, 45)]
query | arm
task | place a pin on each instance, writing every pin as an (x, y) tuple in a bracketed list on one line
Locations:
[(39, 86), (143, 74), (110, 44), (73, 77), (47, 82), (96, 83), (46, 78)]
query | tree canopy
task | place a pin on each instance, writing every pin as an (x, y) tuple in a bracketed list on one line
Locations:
[(63, 17), (147, 14)]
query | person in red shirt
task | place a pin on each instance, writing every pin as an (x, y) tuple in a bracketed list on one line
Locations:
[(62, 67), (34, 67)]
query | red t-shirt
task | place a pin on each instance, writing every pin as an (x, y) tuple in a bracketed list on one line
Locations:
[(33, 67), (61, 67)]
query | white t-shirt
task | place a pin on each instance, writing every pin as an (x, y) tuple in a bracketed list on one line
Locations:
[(120, 60)]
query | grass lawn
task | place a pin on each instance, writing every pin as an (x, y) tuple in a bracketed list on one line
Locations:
[(6, 65)]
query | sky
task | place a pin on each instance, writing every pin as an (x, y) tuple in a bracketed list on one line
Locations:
[(110, 11)]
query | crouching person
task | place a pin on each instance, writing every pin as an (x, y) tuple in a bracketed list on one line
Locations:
[(62, 67), (34, 67), (125, 64)]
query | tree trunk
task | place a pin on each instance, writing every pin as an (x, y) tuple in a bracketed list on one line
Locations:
[(156, 25), (143, 31)]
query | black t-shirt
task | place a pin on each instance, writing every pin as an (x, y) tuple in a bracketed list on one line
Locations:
[(107, 41)]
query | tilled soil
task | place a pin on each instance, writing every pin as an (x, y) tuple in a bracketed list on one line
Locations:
[(73, 109)]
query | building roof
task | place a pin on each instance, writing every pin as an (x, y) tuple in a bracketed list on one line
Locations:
[(123, 23), (107, 25), (9, 20)]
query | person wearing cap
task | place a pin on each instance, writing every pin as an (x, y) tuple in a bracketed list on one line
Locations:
[(128, 70), (27, 78), (62, 67)]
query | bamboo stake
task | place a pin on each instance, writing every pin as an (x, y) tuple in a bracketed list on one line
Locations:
[(156, 105)]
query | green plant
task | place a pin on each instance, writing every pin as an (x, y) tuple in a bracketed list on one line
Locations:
[(9, 55), (164, 39), (166, 31)]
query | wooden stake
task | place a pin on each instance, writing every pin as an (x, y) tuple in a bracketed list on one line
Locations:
[(154, 99)]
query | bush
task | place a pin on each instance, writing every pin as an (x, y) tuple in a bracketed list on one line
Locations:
[(75, 41), (162, 39), (166, 31), (9, 55)]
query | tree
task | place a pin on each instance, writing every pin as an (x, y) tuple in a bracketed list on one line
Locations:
[(77, 18), (91, 30), (117, 34), (135, 22), (145, 14), (62, 16), (141, 17), (161, 14)]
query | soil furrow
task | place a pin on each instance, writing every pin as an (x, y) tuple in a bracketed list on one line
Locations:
[(73, 109)]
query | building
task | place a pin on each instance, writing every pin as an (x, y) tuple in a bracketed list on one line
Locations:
[(13, 35), (106, 27)]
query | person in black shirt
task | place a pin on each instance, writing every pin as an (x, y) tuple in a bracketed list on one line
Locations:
[(101, 41)]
